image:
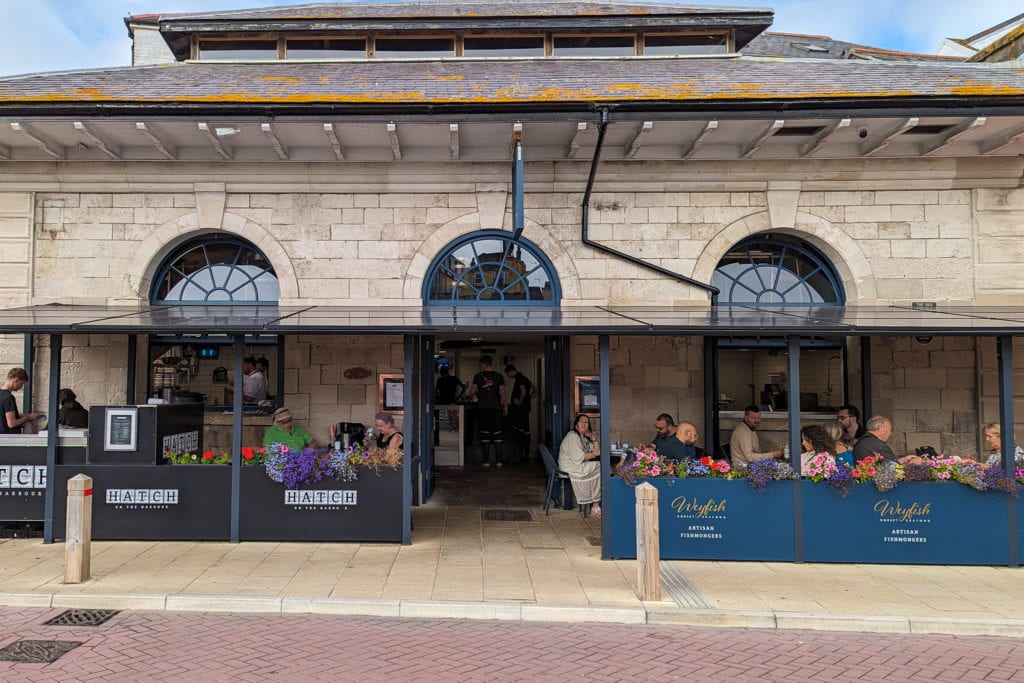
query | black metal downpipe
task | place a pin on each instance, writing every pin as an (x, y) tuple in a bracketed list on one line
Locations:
[(602, 126)]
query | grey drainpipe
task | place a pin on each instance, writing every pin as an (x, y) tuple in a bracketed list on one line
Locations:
[(602, 126)]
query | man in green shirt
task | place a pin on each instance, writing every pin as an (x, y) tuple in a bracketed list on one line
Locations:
[(285, 432)]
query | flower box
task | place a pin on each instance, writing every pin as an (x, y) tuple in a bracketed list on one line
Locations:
[(914, 523), (708, 519), (150, 502), (368, 509)]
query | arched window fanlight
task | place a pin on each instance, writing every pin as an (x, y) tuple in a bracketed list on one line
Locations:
[(215, 270), (490, 267), (777, 270)]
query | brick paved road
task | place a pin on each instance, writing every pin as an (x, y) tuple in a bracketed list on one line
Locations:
[(229, 647)]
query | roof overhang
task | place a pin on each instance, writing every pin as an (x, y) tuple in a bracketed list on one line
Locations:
[(720, 321)]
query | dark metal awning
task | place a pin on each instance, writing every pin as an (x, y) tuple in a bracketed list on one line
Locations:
[(723, 321)]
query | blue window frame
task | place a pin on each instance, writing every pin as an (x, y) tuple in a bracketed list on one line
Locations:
[(215, 270), (777, 270), (490, 267)]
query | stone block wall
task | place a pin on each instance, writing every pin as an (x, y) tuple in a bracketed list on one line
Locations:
[(649, 376)]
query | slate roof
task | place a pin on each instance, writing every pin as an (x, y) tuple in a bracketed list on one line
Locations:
[(507, 84), (464, 8), (798, 46)]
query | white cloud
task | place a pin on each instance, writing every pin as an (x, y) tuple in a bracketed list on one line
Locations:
[(52, 35)]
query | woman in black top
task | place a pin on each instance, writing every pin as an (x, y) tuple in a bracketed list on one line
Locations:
[(388, 437)]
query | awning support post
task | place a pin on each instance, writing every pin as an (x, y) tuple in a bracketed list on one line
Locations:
[(604, 389), (1004, 351), (518, 190), (411, 418), (133, 355), (238, 348), (711, 396), (28, 351), (865, 379), (793, 345), (52, 433)]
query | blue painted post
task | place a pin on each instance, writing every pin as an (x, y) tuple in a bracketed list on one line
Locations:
[(604, 389), (133, 355), (408, 402), (518, 191), (793, 346), (1004, 351), (865, 379)]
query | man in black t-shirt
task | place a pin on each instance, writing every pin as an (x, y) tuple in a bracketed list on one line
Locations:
[(10, 421), (488, 392), (519, 414)]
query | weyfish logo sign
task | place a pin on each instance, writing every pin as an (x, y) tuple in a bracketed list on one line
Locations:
[(698, 509), (891, 512)]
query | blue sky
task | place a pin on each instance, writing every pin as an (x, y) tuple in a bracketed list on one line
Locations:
[(53, 35)]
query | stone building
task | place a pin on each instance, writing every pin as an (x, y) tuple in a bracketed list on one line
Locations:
[(364, 156)]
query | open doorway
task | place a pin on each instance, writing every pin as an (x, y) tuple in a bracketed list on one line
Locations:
[(482, 455)]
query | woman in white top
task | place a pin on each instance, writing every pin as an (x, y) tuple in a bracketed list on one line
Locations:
[(579, 457)]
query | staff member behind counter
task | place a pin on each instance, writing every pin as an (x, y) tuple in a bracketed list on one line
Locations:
[(10, 421)]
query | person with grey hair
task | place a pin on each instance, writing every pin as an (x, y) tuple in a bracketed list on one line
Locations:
[(388, 437), (284, 431), (10, 421), (874, 443)]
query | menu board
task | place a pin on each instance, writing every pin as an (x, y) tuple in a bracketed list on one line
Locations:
[(120, 429)]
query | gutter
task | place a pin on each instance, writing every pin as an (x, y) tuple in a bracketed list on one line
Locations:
[(602, 126)]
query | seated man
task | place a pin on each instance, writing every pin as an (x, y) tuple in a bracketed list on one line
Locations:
[(745, 445), (665, 427), (684, 445), (874, 443)]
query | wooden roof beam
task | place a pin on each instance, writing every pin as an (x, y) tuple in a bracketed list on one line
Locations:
[(453, 139), (208, 130), (332, 135), (881, 140), (396, 146), (697, 141), (577, 139), (275, 142), (951, 135), (819, 138), (49, 146), (106, 146), (755, 144), (165, 148), (1001, 140), (645, 128)]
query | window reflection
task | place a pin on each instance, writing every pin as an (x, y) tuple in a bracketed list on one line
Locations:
[(491, 269), (209, 270)]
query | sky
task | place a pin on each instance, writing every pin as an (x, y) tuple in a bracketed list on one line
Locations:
[(58, 35)]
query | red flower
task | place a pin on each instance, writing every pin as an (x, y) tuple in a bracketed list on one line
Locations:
[(869, 460), (248, 452), (261, 450), (705, 460), (208, 455), (856, 474)]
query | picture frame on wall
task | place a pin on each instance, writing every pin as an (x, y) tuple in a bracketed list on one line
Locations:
[(391, 390), (587, 395)]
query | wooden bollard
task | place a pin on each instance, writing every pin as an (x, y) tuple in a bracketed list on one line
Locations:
[(78, 541), (648, 547)]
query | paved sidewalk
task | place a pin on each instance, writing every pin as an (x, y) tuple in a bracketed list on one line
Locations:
[(548, 569)]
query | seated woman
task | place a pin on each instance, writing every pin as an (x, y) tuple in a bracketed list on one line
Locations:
[(815, 441), (993, 437), (579, 457), (285, 432), (71, 413), (844, 444), (388, 437)]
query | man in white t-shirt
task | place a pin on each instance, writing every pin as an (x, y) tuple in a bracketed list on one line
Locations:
[(254, 384)]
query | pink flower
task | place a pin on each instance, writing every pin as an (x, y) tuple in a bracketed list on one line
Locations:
[(655, 471), (943, 475), (284, 449)]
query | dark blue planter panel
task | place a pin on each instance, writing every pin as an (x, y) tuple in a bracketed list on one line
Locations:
[(709, 519), (915, 523), (368, 509), (151, 502)]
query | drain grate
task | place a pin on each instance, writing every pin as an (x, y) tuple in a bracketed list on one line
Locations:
[(683, 590), (82, 617), (506, 516), (594, 541), (37, 651)]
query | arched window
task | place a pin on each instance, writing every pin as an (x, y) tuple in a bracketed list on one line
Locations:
[(213, 269), (489, 267), (777, 270)]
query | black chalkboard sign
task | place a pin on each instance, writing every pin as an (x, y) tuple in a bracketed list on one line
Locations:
[(120, 429)]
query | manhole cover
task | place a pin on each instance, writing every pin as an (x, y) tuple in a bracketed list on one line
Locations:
[(82, 617), (37, 651), (506, 516), (594, 541)]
